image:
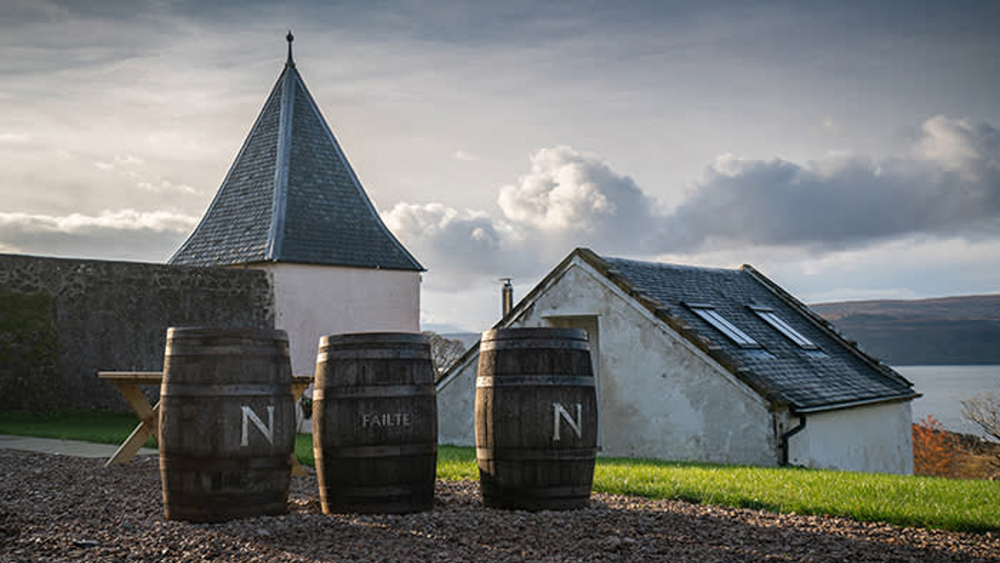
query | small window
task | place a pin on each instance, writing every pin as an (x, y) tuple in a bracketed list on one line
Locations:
[(712, 317), (772, 318)]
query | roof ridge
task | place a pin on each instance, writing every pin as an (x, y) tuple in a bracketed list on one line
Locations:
[(276, 234), (672, 265)]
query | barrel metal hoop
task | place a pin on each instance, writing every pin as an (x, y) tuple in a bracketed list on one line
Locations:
[(536, 454), (534, 381), (224, 390), (400, 450), (328, 354), (186, 462), (378, 494), (175, 349), (539, 493), (374, 339), (546, 344), (322, 393)]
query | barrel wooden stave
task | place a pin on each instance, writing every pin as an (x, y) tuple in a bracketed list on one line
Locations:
[(523, 375), (375, 423), (216, 461)]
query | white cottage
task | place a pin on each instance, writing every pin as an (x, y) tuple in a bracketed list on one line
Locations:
[(292, 205), (713, 365)]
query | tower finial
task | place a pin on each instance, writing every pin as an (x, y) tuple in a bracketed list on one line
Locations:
[(290, 38)]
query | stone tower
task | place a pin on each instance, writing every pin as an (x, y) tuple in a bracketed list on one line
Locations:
[(292, 205)]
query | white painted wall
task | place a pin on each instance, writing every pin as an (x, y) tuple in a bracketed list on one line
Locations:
[(874, 439), (456, 404), (312, 301), (658, 395)]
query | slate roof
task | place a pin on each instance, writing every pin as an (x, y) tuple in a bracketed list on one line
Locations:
[(836, 374), (291, 196)]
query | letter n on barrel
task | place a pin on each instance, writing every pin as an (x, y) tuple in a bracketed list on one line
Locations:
[(560, 413), (250, 416)]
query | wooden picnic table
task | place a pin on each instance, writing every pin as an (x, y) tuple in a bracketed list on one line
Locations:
[(128, 382)]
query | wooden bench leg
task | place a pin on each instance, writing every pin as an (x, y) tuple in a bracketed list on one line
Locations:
[(129, 447), (148, 422)]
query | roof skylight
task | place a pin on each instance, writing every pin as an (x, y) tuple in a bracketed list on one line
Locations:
[(772, 318), (720, 323)]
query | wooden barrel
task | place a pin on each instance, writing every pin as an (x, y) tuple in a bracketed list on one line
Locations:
[(227, 423), (535, 418), (375, 423)]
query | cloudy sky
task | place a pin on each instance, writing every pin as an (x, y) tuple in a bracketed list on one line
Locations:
[(848, 151)]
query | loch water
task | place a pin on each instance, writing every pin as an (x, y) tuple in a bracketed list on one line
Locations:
[(944, 387)]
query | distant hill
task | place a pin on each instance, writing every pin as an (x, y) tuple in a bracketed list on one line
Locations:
[(946, 330)]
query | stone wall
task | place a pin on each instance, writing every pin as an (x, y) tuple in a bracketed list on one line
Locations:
[(63, 320)]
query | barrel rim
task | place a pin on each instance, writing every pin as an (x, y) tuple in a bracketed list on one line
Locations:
[(533, 333), (377, 337), (197, 331)]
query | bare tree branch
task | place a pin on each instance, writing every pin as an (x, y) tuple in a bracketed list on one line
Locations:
[(444, 351), (984, 411)]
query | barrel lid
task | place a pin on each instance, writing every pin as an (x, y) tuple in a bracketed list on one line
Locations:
[(175, 333), (534, 333), (373, 339)]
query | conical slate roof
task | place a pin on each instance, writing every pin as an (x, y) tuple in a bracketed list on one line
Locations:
[(291, 196)]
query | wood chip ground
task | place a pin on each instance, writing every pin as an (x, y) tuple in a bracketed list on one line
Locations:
[(55, 509)]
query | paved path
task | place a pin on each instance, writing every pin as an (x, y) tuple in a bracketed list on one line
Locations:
[(63, 447)]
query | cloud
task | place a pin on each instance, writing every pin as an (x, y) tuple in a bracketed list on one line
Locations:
[(165, 186), (905, 268), (127, 159), (956, 146), (567, 199), (946, 186), (949, 185), (121, 234), (464, 156), (14, 138), (121, 220), (445, 226), (126, 165), (459, 243), (569, 191)]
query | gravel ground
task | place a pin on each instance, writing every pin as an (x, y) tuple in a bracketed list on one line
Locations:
[(55, 508)]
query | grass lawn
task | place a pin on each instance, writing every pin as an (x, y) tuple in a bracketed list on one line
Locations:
[(101, 427), (932, 502)]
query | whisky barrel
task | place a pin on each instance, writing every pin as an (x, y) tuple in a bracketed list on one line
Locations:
[(375, 423), (535, 418), (227, 423)]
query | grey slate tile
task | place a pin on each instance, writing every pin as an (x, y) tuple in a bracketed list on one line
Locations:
[(806, 379)]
